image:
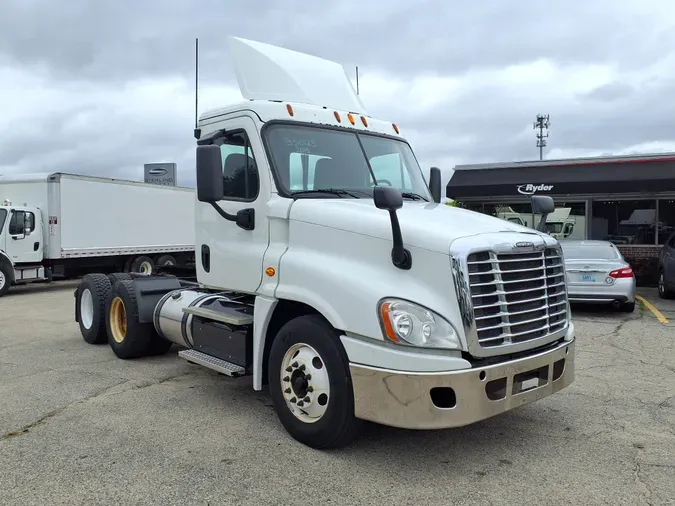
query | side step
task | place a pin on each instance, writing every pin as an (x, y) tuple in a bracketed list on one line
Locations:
[(221, 366), (232, 317)]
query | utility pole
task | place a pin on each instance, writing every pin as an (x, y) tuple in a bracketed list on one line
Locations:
[(541, 123)]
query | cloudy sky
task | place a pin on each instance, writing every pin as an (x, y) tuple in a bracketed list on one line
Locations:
[(103, 87)]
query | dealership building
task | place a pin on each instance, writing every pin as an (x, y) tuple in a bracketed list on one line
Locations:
[(628, 200)]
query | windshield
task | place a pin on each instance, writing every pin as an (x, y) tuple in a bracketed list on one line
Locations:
[(312, 158), (589, 251), (554, 228)]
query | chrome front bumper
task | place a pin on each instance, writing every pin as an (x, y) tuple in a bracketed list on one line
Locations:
[(412, 400)]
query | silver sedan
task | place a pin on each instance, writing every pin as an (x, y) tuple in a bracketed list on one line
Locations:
[(597, 273)]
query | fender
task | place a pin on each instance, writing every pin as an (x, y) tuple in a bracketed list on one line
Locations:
[(5, 260), (263, 310)]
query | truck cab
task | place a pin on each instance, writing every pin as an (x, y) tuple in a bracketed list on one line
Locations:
[(328, 270), (21, 244)]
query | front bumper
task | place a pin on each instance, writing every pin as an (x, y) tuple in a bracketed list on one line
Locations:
[(413, 400)]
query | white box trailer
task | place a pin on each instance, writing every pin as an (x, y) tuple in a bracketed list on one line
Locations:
[(69, 224)]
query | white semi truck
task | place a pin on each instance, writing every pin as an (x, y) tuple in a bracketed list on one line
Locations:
[(328, 271), (68, 224)]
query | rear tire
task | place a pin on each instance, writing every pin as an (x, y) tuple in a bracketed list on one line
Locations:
[(127, 337), (119, 276), (317, 411), (165, 260), (627, 307), (90, 303), (142, 265)]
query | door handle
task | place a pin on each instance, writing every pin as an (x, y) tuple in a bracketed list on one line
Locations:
[(36, 246)]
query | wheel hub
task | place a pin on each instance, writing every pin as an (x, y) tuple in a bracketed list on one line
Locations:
[(304, 383)]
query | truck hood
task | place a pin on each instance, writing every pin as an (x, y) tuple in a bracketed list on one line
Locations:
[(424, 225)]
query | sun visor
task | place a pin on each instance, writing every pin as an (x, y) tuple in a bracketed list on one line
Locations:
[(266, 72)]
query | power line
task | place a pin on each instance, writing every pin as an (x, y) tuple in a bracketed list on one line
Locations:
[(541, 123)]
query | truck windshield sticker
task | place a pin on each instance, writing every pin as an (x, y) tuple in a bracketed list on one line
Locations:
[(302, 146)]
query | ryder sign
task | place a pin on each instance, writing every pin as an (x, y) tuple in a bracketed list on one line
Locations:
[(531, 189)]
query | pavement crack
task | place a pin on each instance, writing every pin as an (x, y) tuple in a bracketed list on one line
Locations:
[(104, 392)]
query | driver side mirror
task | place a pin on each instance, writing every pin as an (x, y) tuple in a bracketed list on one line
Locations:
[(209, 174), (544, 205), (387, 198), (435, 184)]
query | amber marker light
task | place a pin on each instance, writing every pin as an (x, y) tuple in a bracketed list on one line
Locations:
[(350, 117), (364, 121), (386, 321), (270, 271), (395, 128), (337, 116), (289, 108)]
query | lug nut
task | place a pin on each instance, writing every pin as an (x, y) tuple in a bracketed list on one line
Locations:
[(308, 377), (289, 369), (302, 367), (294, 364), (293, 399), (310, 389), (286, 378), (287, 391), (306, 399), (301, 404)]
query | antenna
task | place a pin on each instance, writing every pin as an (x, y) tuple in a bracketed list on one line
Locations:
[(542, 123), (357, 79), (197, 131)]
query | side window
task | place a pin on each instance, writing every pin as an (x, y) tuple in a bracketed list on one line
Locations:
[(240, 172), (3, 217), (29, 222), (17, 223), (391, 168)]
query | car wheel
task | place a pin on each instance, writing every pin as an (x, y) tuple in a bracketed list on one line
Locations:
[(664, 292)]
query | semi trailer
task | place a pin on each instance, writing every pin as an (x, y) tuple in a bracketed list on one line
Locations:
[(329, 272), (62, 224)]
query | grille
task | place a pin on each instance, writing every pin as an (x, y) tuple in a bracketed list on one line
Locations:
[(517, 297)]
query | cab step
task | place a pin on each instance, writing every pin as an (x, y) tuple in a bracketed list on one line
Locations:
[(225, 315), (217, 364)]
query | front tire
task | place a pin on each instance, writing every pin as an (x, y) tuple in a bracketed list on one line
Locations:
[(310, 384), (5, 279)]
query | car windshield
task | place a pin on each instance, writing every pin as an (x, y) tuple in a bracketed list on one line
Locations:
[(589, 251), (310, 159)]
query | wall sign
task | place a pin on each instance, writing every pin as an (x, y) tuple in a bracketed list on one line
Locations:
[(531, 189)]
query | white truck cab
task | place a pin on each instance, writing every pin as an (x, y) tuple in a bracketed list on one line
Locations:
[(21, 241), (328, 270)]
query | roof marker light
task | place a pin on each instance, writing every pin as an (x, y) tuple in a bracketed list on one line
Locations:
[(337, 116), (350, 117), (395, 128), (364, 121), (289, 109)]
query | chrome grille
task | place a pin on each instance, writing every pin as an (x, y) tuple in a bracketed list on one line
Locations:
[(517, 297)]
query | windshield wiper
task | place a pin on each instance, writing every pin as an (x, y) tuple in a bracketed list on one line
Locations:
[(412, 196), (333, 191)]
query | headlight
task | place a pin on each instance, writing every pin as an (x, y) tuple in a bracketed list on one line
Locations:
[(407, 323)]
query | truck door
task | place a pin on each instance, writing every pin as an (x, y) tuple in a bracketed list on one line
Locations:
[(229, 256), (24, 242)]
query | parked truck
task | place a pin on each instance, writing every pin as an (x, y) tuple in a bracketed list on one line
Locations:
[(328, 271), (67, 225)]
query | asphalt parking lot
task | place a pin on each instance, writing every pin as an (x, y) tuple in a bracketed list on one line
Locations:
[(80, 427)]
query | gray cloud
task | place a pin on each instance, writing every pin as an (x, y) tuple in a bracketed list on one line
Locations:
[(96, 49)]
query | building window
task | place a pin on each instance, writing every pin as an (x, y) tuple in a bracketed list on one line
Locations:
[(624, 222), (666, 219)]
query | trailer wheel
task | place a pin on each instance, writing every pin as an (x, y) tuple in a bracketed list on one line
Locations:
[(142, 265), (91, 298), (165, 260), (311, 385), (127, 337)]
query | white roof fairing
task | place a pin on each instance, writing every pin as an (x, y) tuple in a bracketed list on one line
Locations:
[(266, 72)]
